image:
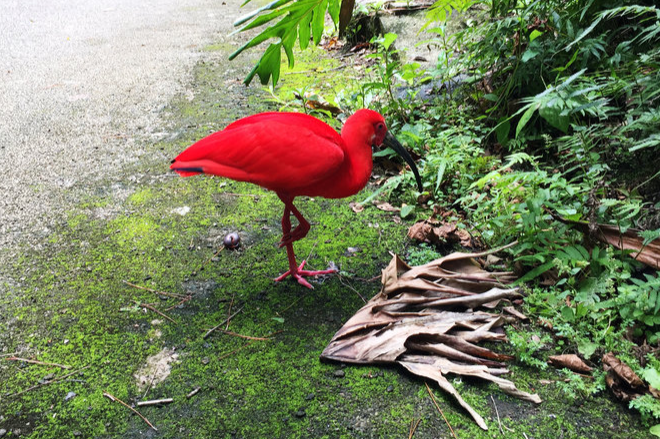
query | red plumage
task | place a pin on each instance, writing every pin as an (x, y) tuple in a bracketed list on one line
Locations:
[(292, 154)]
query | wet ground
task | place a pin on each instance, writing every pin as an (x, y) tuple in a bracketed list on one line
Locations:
[(105, 230)]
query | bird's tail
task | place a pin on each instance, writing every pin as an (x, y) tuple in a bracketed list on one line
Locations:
[(185, 171)]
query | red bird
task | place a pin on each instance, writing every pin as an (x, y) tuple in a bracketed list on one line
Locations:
[(294, 154)]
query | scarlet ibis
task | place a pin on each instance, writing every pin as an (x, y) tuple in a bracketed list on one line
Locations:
[(294, 154)]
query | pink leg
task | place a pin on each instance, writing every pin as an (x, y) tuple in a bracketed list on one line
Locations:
[(288, 237)]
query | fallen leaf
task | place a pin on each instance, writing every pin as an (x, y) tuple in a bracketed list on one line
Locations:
[(356, 207), (424, 318), (569, 361), (624, 383), (445, 232), (387, 207)]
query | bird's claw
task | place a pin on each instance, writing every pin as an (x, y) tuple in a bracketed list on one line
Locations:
[(299, 274)]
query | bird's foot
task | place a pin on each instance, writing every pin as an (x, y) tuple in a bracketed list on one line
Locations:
[(299, 274)]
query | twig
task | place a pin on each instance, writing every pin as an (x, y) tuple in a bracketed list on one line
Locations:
[(229, 311), (153, 377), (305, 72), (413, 427), (42, 363), (222, 357), (48, 382), (178, 304), (210, 331), (293, 303), (349, 286), (159, 293), (244, 336), (151, 307), (438, 407), (499, 423), (193, 393), (9, 355), (115, 399), (155, 402), (205, 263)]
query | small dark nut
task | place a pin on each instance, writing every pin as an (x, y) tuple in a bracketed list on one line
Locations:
[(232, 240)]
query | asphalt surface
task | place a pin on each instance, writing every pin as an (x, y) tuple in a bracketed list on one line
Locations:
[(82, 88)]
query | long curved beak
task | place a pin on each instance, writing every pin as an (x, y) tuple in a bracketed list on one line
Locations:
[(391, 141)]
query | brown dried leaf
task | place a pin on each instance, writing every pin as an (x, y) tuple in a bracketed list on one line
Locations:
[(446, 232), (569, 361), (356, 207), (630, 240), (424, 319), (621, 379), (514, 312), (387, 207)]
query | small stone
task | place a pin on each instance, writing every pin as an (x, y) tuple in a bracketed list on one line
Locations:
[(300, 413), (339, 373), (70, 395), (205, 360), (77, 433), (310, 397), (389, 388), (2, 432)]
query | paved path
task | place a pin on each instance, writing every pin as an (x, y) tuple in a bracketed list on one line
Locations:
[(81, 83)]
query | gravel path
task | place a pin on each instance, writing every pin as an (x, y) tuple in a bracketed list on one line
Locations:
[(81, 85)]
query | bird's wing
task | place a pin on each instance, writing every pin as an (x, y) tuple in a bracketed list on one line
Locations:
[(278, 151)]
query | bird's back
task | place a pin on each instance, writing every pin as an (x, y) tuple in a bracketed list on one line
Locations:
[(279, 151)]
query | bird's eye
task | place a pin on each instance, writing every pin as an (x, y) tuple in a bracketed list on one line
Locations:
[(380, 126)]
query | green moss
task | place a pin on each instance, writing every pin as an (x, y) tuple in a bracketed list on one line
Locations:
[(70, 305)]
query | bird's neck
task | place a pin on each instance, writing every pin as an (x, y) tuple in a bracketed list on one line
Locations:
[(359, 162)]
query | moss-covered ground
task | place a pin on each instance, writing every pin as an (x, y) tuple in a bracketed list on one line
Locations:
[(70, 303)]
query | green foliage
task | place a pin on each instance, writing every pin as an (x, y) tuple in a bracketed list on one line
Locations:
[(298, 20), (577, 387), (527, 346)]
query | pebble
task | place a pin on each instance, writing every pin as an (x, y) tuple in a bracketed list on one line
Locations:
[(389, 388), (2, 432), (70, 395), (310, 397), (232, 240), (205, 360), (339, 373), (300, 413)]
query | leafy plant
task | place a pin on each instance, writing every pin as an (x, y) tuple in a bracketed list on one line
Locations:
[(298, 20)]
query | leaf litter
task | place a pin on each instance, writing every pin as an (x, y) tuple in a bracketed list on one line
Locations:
[(427, 320)]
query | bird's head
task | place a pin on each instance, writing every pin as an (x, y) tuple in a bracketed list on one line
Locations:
[(381, 136)]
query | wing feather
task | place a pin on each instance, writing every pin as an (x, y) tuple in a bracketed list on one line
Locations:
[(279, 151)]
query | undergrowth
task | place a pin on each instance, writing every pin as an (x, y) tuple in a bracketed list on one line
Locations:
[(542, 127)]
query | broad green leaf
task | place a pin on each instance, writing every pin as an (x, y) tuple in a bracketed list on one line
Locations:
[(441, 174), (536, 272), (652, 377), (587, 348), (554, 116), (525, 118), (304, 33), (530, 53), (534, 35), (655, 430), (406, 210), (502, 131), (318, 20), (387, 40)]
